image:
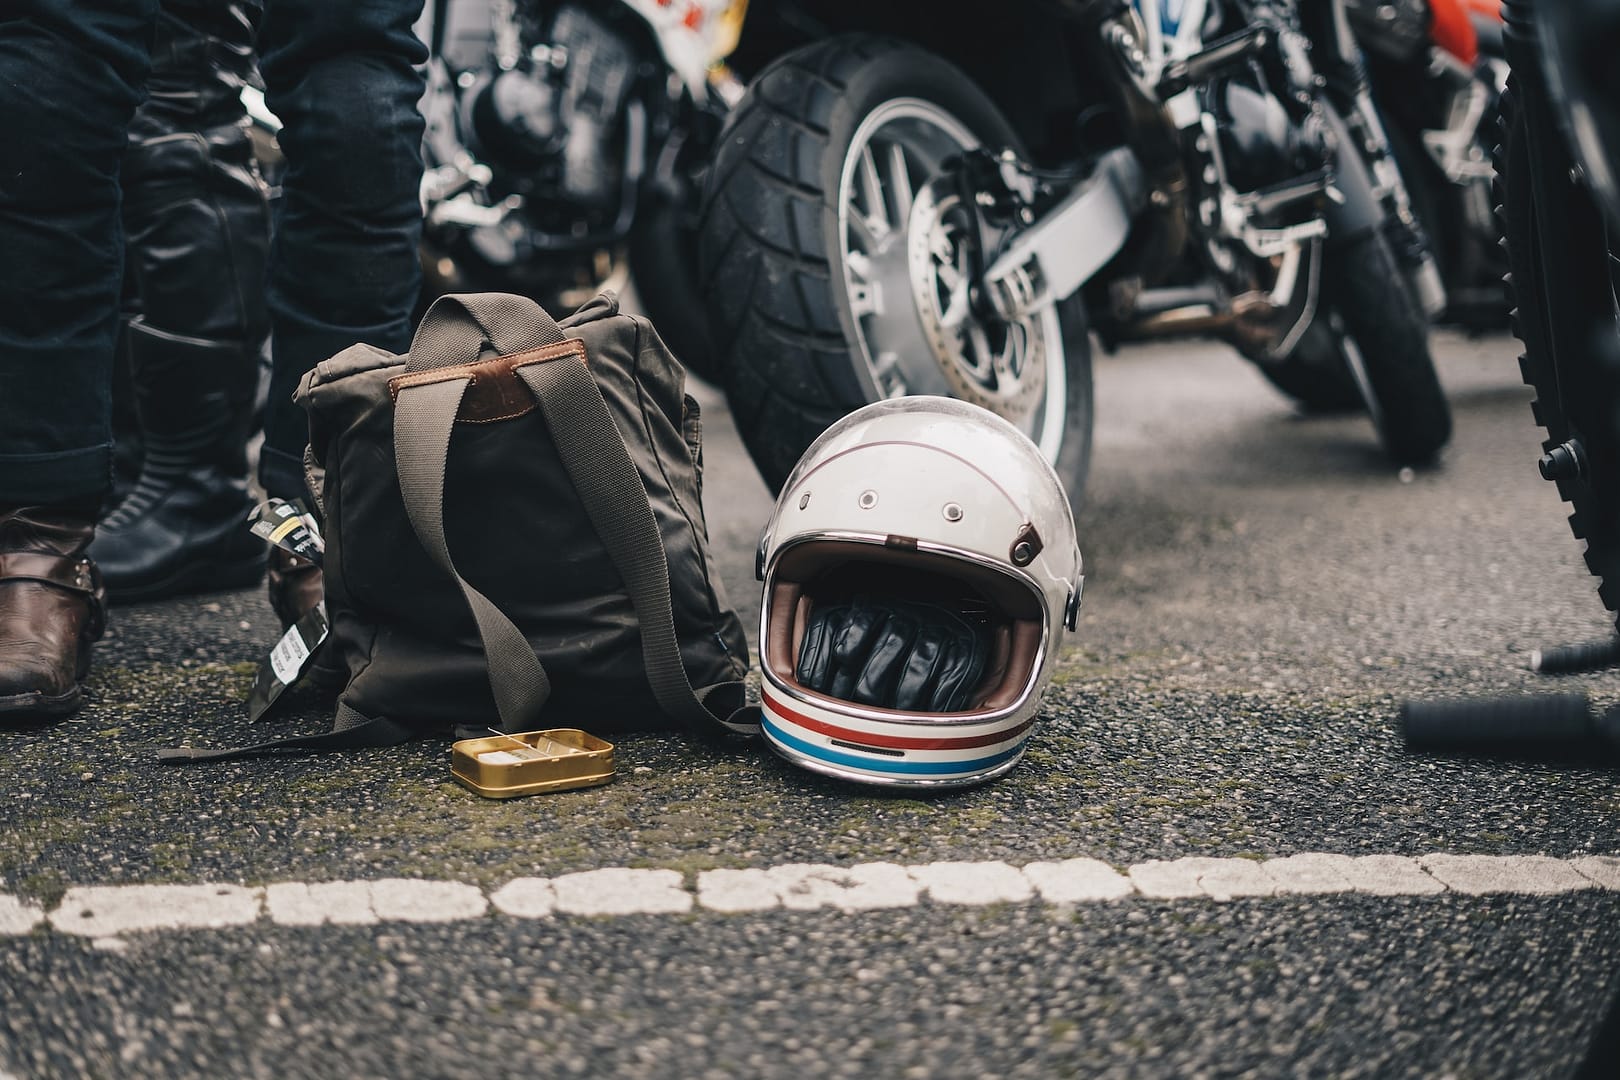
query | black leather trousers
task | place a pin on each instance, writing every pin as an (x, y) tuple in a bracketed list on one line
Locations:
[(197, 227), (342, 77)]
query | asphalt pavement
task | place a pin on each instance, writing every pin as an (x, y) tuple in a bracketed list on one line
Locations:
[(1263, 590)]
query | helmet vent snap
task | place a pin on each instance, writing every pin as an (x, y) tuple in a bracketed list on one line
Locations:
[(1025, 546)]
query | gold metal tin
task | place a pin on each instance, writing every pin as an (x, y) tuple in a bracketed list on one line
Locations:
[(531, 762)]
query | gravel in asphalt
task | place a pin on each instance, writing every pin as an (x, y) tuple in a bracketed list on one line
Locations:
[(1263, 590)]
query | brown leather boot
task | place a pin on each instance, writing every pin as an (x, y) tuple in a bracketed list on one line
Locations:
[(295, 586), (52, 606)]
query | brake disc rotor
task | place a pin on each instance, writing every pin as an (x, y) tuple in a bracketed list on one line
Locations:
[(986, 360)]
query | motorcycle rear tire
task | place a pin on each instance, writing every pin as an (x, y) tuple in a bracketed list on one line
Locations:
[(787, 339), (1386, 335)]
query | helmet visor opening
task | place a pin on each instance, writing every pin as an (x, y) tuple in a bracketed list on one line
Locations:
[(908, 631)]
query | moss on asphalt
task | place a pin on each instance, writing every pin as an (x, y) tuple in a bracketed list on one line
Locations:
[(1121, 767)]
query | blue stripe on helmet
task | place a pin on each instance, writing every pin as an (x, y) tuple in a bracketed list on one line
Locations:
[(885, 764)]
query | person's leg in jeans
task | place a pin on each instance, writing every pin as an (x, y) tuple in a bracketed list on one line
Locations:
[(343, 79), (198, 227), (71, 75)]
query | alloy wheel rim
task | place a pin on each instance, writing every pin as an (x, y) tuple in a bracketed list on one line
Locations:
[(902, 271)]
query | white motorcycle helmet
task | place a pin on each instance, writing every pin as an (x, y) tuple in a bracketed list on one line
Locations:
[(920, 567)]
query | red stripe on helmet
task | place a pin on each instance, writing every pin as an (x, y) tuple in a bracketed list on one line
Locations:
[(892, 742)]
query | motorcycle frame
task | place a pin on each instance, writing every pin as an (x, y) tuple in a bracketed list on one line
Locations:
[(1353, 203), (1106, 205)]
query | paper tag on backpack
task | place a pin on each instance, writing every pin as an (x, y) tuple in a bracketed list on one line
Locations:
[(290, 526), (288, 660)]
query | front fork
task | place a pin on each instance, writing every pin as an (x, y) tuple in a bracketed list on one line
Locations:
[(1338, 62), (1405, 233)]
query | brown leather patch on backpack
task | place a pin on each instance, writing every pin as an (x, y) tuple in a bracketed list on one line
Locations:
[(495, 391)]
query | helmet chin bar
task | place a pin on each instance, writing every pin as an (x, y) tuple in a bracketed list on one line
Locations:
[(893, 747), (839, 771)]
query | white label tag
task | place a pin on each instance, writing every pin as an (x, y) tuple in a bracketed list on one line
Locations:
[(291, 655), (288, 657)]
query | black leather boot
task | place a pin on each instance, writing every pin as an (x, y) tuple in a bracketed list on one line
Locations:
[(197, 222), (184, 528), (51, 609)]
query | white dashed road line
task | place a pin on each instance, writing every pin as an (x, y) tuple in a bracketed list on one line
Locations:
[(17, 916), (107, 912), (1510, 873)]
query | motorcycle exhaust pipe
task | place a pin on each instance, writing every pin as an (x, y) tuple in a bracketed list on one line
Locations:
[(1153, 302), (1197, 320), (1197, 310)]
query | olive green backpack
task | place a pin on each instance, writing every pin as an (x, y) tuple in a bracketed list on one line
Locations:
[(514, 532)]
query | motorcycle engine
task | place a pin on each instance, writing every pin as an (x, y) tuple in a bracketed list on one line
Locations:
[(551, 116), (534, 136)]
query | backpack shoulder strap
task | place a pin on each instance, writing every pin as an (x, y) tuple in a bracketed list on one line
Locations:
[(352, 731), (612, 493), (424, 416)]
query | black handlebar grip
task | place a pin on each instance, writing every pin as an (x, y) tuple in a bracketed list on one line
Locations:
[(1543, 720), (1588, 656)]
